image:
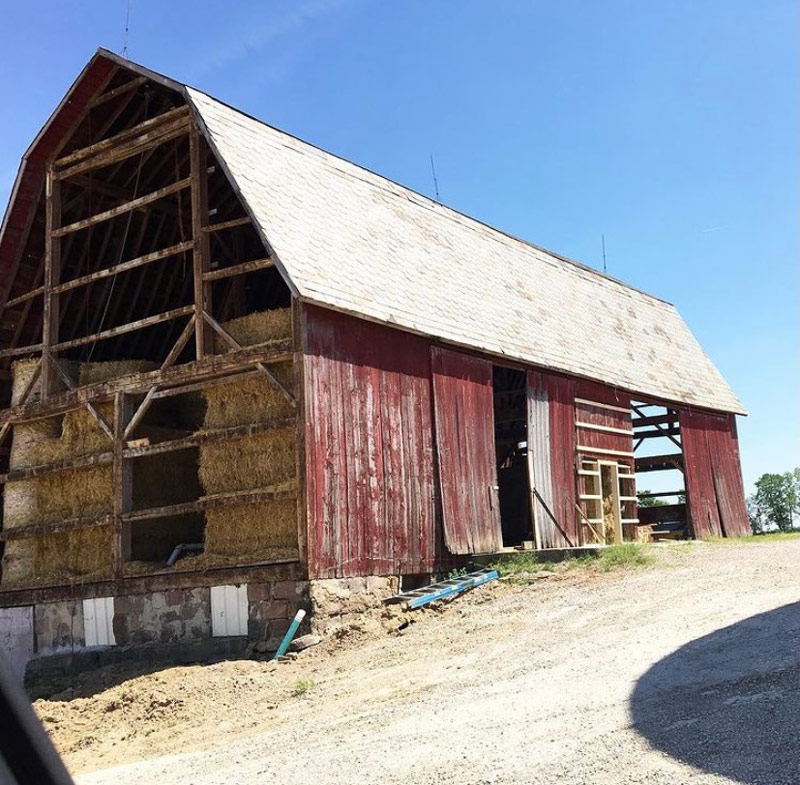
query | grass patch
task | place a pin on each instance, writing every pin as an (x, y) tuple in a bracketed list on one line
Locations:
[(303, 686), (520, 567), (754, 539)]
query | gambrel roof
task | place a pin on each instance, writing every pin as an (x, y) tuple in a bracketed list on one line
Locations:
[(349, 239)]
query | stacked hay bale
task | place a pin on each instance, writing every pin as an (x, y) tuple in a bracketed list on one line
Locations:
[(265, 530), (76, 493)]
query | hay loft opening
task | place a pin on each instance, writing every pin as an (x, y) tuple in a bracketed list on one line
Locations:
[(148, 355)]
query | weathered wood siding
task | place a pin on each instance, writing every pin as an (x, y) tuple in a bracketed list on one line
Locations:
[(551, 439), (592, 409), (369, 448), (464, 409), (713, 475)]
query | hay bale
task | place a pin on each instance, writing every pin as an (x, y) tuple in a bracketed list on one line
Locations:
[(252, 400), (261, 531), (255, 328), (77, 554), (249, 463), (92, 373)]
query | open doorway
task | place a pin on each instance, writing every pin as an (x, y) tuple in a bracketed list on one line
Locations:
[(511, 449)]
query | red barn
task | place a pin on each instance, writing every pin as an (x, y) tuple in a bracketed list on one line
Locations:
[(243, 375)]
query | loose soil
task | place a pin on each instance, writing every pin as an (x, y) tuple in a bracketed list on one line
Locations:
[(648, 675)]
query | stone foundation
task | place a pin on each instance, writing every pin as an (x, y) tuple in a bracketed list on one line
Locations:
[(181, 620), (339, 602)]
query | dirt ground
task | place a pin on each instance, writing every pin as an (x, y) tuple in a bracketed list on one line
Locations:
[(681, 672)]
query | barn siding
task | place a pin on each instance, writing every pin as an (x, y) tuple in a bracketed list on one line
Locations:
[(600, 441), (369, 448), (464, 409), (557, 517), (713, 475)]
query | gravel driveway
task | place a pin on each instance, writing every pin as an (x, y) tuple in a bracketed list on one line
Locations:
[(685, 672)]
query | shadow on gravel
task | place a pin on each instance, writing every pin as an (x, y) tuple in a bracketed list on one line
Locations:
[(728, 703)]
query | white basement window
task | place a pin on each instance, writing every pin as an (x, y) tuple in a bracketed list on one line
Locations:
[(228, 610), (98, 617)]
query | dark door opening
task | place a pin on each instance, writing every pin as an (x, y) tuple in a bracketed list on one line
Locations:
[(511, 448)]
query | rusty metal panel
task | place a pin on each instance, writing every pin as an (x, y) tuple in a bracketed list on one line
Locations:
[(464, 409), (551, 442), (369, 448), (715, 490)]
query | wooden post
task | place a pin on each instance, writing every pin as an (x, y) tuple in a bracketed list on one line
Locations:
[(52, 275), (122, 483), (201, 255)]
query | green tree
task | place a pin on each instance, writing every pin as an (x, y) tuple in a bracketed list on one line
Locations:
[(775, 501), (648, 501)]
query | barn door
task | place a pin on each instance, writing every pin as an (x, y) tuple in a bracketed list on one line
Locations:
[(464, 411)]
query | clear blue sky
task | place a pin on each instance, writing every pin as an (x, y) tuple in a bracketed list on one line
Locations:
[(672, 127)]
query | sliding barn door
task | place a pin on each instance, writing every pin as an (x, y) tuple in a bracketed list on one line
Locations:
[(464, 411)]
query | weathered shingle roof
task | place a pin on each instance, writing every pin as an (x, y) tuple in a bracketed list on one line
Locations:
[(349, 239)]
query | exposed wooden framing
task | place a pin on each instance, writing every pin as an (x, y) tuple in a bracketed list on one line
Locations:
[(133, 84), (112, 332), (656, 419), (195, 386), (218, 328), (231, 224), (140, 412), (121, 209), (237, 269), (34, 348), (166, 119), (52, 273), (656, 463), (654, 495), (25, 297), (211, 502), (658, 427), (201, 256), (101, 421), (116, 269), (83, 462), (208, 437), (36, 529), (155, 138), (213, 367), (657, 433), (122, 482), (37, 372)]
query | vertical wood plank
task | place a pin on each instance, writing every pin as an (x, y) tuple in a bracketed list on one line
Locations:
[(464, 416), (52, 276), (122, 481), (201, 255)]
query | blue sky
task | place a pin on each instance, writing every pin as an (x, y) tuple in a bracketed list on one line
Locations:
[(672, 128)]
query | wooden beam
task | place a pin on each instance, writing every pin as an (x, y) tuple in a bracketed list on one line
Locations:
[(214, 367), (133, 84), (140, 324), (125, 150), (236, 345), (25, 297), (234, 222), (37, 529), (116, 269), (121, 209), (122, 482), (52, 274), (656, 419), (208, 437), (201, 256), (41, 470), (656, 463), (34, 348), (129, 134), (237, 269), (101, 421), (212, 502)]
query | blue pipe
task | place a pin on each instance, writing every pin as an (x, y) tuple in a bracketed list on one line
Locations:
[(287, 639)]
